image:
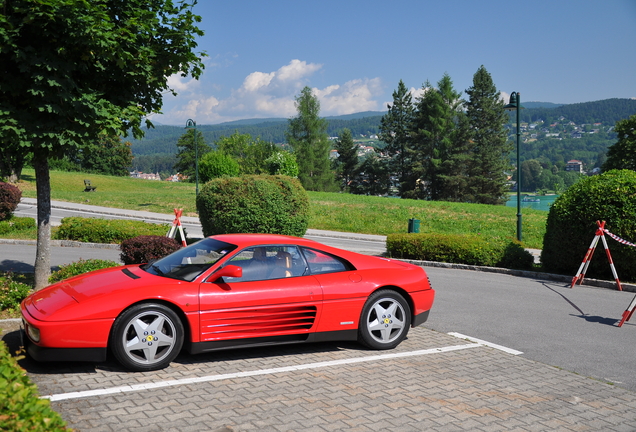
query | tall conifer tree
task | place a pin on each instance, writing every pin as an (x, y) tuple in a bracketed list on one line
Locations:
[(490, 147), (395, 131), (434, 128), (307, 135), (347, 160)]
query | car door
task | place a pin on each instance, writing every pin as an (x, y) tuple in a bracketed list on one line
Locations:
[(272, 299)]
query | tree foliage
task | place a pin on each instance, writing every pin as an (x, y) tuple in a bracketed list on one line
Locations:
[(307, 135), (488, 141), (395, 131), (622, 155), (189, 148), (347, 159), (216, 164), (250, 153), (76, 69)]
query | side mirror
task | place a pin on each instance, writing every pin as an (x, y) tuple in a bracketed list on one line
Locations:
[(228, 271)]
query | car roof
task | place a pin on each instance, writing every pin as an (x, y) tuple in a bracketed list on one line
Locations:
[(243, 240)]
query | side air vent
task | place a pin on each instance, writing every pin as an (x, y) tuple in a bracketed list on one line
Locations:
[(257, 322)]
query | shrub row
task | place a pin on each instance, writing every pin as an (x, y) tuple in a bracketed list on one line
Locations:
[(12, 292), (80, 267), (143, 249), (15, 223), (9, 199), (460, 249), (21, 409), (94, 230)]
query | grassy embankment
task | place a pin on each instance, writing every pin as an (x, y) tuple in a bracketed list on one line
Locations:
[(329, 211)]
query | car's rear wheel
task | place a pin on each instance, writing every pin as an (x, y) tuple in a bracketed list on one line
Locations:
[(147, 337), (385, 320)]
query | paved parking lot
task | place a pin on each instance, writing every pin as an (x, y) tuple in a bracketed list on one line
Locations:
[(432, 381)]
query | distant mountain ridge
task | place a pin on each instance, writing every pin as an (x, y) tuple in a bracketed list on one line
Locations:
[(163, 139)]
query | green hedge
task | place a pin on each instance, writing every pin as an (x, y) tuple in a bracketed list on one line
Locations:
[(571, 226), (21, 409), (93, 230), (12, 291), (460, 249), (80, 267), (254, 204), (16, 224)]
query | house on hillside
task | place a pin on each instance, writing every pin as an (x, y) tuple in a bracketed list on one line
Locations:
[(574, 165)]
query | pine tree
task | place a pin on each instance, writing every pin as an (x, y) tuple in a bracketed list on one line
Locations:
[(307, 135), (433, 133), (347, 160), (395, 129), (490, 147)]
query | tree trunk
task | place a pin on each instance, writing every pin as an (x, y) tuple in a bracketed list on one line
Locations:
[(43, 251)]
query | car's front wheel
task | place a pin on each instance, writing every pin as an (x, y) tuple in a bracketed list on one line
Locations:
[(385, 320), (147, 337)]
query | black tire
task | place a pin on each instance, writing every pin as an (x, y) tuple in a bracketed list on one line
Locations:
[(146, 337), (385, 320)]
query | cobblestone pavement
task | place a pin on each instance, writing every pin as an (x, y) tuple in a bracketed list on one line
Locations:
[(432, 381)]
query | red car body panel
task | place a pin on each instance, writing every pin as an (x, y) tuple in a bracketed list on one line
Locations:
[(80, 312)]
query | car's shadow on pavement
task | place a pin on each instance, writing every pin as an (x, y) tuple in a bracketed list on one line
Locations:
[(15, 344)]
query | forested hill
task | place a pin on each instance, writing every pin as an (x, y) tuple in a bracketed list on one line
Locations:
[(163, 139), (607, 112)]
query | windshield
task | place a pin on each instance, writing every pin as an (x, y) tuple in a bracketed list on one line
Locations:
[(188, 263)]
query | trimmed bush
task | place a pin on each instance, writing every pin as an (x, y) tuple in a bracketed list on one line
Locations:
[(21, 408), (254, 204), (571, 226), (16, 224), (9, 199), (459, 249), (95, 230), (80, 267), (143, 249)]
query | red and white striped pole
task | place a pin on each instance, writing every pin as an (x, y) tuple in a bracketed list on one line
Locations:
[(580, 274), (628, 312), (176, 224)]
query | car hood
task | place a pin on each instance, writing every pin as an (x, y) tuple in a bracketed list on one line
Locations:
[(89, 296)]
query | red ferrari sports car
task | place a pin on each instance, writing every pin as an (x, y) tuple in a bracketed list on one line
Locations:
[(227, 291)]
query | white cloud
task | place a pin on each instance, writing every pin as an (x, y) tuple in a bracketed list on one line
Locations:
[(268, 94)]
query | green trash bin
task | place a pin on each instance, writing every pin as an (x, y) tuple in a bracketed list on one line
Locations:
[(414, 225)]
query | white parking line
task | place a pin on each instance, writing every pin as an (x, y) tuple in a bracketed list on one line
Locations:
[(209, 378), (485, 343)]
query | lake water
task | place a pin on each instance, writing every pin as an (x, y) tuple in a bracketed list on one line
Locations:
[(543, 203)]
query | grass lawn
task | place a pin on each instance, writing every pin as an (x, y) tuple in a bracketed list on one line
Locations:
[(329, 211)]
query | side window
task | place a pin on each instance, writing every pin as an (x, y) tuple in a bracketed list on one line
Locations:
[(320, 262), (268, 262)]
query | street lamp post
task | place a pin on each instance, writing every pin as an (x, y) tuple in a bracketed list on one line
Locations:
[(515, 105), (191, 124)]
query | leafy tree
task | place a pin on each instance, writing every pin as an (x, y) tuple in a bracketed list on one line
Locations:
[(622, 155), (110, 155), (75, 69), (347, 160), (248, 152), (282, 163), (307, 135), (187, 151), (395, 130), (490, 145), (531, 170), (216, 164)]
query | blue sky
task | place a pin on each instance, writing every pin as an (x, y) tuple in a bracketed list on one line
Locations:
[(353, 53)]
